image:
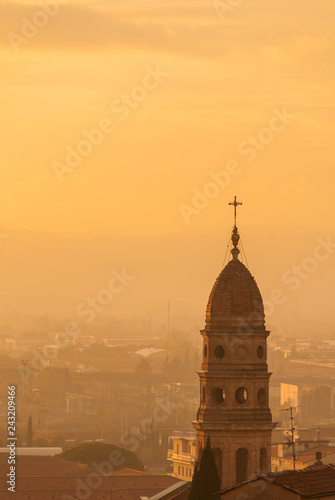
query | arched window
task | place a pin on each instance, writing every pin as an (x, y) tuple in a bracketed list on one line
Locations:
[(218, 395), (241, 465), (218, 460), (262, 460)]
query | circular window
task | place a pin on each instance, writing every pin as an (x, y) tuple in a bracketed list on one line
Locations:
[(218, 395), (219, 351), (241, 395), (261, 396), (260, 352)]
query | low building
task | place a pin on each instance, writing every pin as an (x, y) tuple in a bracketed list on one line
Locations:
[(182, 455), (281, 461), (313, 482), (49, 478)]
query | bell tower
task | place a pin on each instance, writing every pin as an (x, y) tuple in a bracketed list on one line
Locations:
[(234, 378)]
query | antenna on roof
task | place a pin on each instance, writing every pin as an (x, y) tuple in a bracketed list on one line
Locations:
[(290, 409)]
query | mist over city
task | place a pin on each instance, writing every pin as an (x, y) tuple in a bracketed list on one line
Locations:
[(167, 250)]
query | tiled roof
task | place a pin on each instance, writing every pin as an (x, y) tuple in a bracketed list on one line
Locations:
[(178, 491), (235, 296), (35, 484), (38, 466), (312, 481), (128, 472)]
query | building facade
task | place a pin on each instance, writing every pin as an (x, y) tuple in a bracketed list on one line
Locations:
[(182, 455), (234, 379), (314, 403), (282, 458)]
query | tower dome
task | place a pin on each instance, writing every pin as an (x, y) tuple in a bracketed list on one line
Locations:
[(235, 300)]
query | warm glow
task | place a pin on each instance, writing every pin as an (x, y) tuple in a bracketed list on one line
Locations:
[(229, 76)]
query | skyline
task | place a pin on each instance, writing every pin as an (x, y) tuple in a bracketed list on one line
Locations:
[(180, 109)]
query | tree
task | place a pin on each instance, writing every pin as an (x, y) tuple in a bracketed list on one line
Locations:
[(42, 438), (206, 481), (30, 432), (113, 457), (195, 485)]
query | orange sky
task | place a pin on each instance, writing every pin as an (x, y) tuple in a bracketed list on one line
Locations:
[(225, 78), (228, 78)]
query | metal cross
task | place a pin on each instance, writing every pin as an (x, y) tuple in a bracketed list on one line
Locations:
[(235, 203)]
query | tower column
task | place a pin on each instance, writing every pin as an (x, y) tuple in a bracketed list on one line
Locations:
[(234, 378)]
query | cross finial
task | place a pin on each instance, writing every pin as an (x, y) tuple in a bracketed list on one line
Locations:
[(235, 203), (235, 237)]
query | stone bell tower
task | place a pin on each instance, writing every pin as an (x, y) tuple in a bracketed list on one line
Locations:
[(234, 378)]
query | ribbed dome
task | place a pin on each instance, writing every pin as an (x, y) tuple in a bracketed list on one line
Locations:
[(235, 300)]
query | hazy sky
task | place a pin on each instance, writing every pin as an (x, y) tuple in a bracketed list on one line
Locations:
[(262, 69)]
